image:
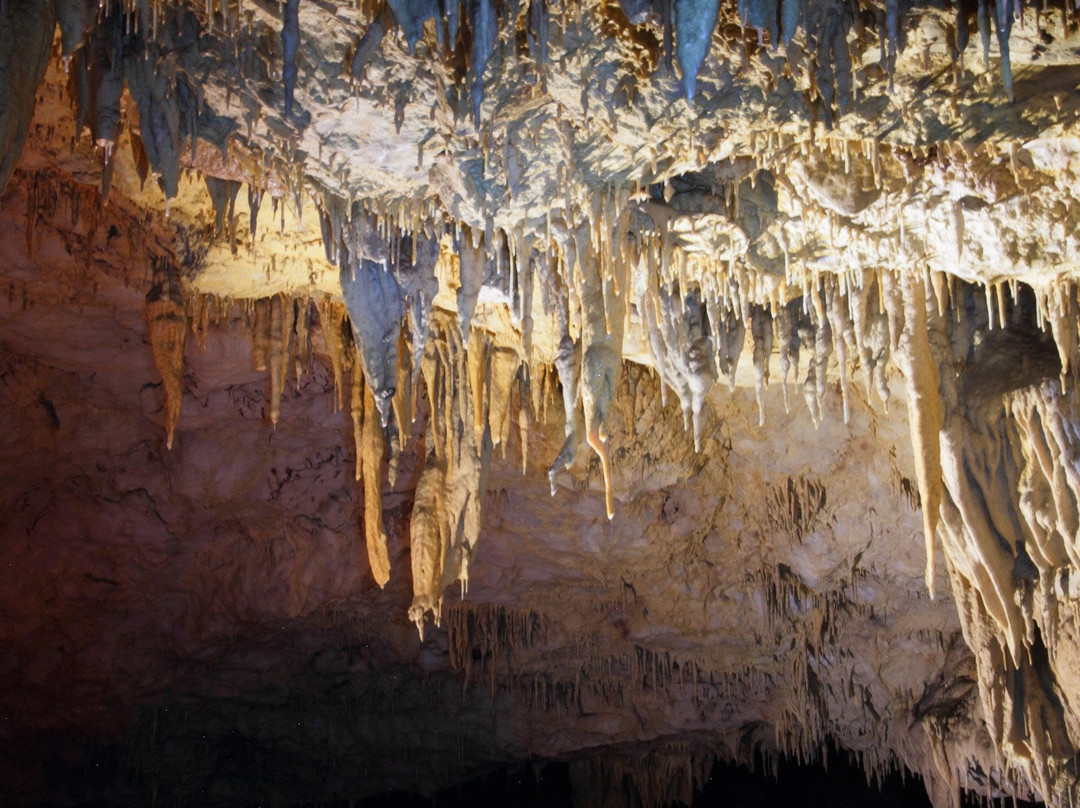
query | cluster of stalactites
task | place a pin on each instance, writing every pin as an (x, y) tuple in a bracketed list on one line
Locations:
[(666, 774), (697, 330), (991, 392), (381, 340), (388, 282), (958, 315), (152, 50), (49, 196), (472, 388), (687, 31), (279, 327), (490, 636)]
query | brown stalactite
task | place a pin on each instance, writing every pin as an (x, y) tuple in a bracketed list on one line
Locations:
[(165, 313), (370, 454)]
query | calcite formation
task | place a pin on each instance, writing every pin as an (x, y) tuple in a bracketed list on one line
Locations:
[(167, 327), (492, 234)]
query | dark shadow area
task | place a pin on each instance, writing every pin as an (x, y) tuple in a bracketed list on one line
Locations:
[(94, 776)]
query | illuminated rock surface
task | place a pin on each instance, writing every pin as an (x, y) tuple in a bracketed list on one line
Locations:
[(390, 394)]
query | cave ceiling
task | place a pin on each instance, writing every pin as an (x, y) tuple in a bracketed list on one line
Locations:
[(394, 392)]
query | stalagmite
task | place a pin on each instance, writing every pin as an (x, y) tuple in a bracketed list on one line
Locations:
[(166, 321), (924, 407)]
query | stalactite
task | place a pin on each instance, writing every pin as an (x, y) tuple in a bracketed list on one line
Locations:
[(871, 332), (839, 325), (484, 29), (302, 347), (159, 115), (282, 319), (694, 24), (477, 367), (503, 372), (601, 359), (729, 336), (788, 334), (260, 333), (374, 302), (332, 317), (762, 332), (166, 321), (419, 285), (924, 407), (695, 306), (817, 336), (290, 44), (568, 366), (429, 543), (370, 453), (255, 196), (356, 409), (681, 350), (472, 262)]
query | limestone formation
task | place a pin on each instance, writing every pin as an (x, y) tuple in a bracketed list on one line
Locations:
[(523, 226)]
